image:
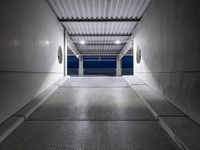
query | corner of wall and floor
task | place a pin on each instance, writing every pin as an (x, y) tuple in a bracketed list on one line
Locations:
[(168, 37), (30, 39)]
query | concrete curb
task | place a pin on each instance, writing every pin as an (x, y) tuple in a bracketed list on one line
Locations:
[(184, 131), (174, 129), (9, 126), (61, 81), (136, 81), (28, 109), (172, 134), (164, 125), (147, 105)]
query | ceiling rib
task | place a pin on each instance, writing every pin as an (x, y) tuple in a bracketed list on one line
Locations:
[(126, 48), (99, 54), (71, 45), (99, 19), (100, 23), (78, 34), (103, 44)]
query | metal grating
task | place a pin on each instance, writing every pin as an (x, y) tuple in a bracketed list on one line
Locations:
[(87, 147), (89, 17)]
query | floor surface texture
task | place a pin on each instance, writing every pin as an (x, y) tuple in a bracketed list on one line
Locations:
[(91, 113)]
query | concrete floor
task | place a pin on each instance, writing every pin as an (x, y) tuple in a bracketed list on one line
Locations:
[(91, 113)]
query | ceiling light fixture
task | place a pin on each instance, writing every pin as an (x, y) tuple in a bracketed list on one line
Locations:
[(117, 42), (82, 42)]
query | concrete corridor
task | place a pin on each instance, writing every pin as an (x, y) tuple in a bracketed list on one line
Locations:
[(156, 43), (101, 113)]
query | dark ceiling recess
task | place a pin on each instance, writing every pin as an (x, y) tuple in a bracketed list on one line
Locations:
[(97, 44), (101, 21), (99, 34)]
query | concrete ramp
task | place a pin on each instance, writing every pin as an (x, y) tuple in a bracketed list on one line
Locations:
[(89, 135), (96, 82), (93, 104), (97, 113), (157, 104)]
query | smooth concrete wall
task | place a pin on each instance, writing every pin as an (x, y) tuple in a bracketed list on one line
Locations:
[(169, 38), (30, 36)]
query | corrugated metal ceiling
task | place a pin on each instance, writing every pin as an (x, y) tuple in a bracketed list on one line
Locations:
[(99, 27), (92, 9)]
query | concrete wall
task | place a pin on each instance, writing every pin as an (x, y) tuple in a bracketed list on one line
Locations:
[(169, 38), (30, 36)]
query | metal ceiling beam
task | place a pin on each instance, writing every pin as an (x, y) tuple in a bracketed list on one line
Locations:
[(99, 19), (103, 54), (99, 34), (126, 48), (71, 45), (100, 44)]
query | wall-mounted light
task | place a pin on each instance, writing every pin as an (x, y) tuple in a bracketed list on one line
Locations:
[(82, 42), (138, 55), (60, 55), (117, 42)]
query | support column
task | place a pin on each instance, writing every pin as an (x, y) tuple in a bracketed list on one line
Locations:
[(80, 70), (118, 67), (65, 53)]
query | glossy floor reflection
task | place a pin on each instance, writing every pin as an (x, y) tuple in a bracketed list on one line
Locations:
[(93, 104), (91, 134), (93, 115), (96, 82)]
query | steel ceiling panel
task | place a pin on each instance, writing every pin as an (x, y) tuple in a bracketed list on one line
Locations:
[(100, 38), (90, 9), (100, 8), (99, 49), (99, 27)]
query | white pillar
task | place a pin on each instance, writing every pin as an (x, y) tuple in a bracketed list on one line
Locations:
[(65, 55), (118, 67), (80, 70)]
